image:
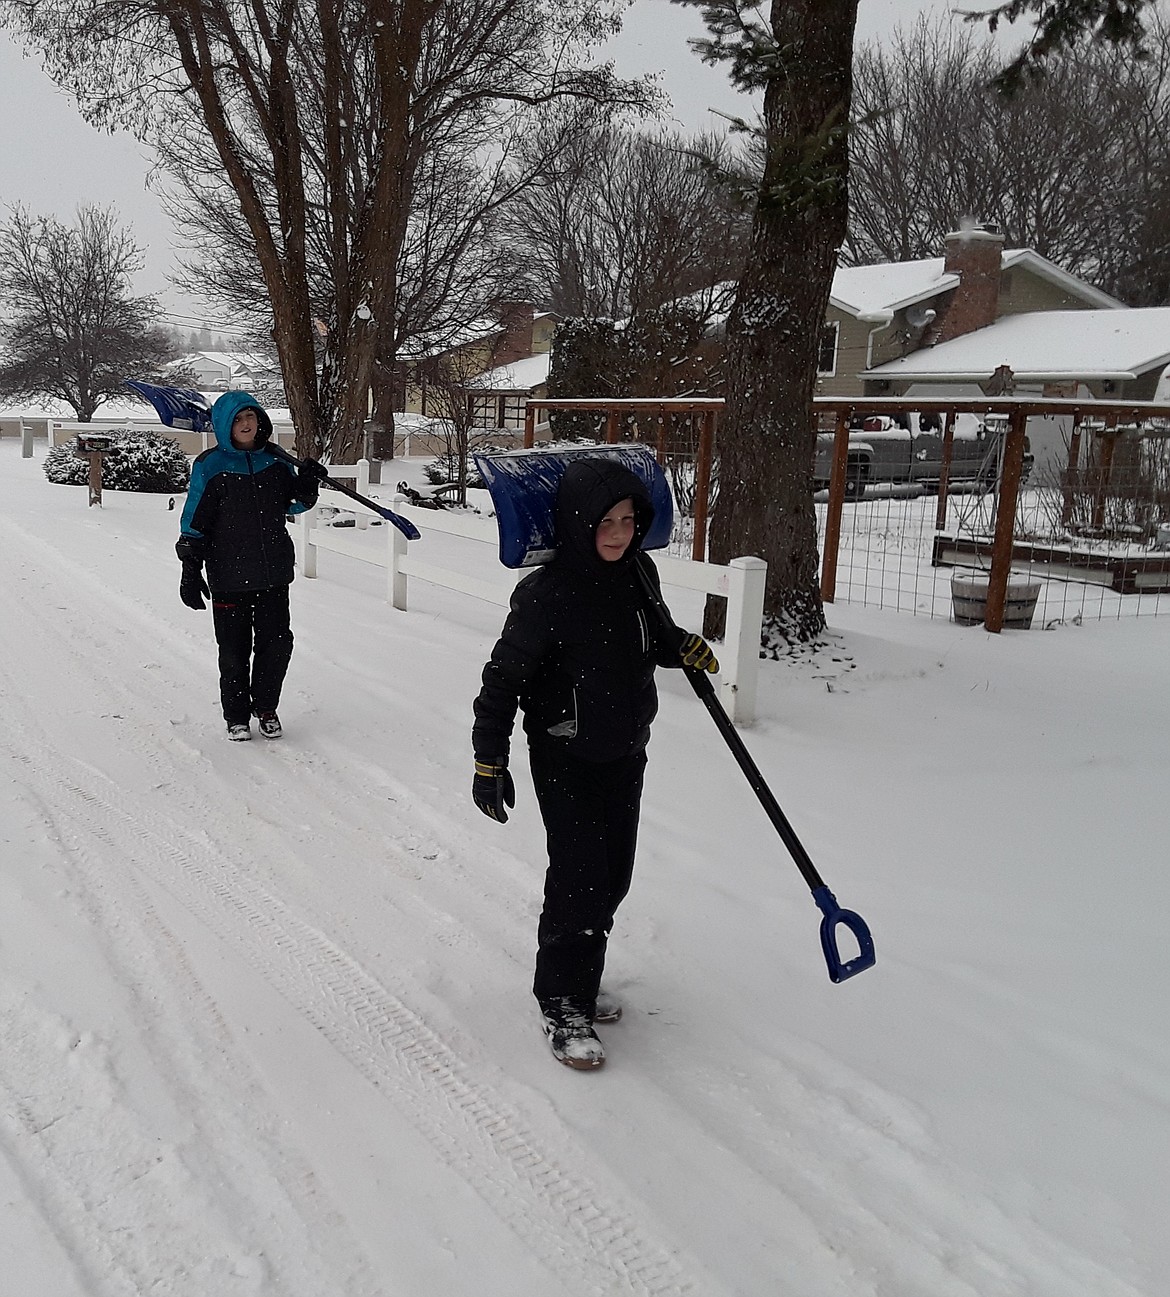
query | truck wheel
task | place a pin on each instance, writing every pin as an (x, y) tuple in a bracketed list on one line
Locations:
[(855, 482)]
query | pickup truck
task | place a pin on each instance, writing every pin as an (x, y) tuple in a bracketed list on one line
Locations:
[(909, 448)]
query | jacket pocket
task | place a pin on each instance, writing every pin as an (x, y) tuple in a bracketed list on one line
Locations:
[(567, 728)]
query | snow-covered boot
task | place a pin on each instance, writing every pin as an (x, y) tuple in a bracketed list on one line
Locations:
[(239, 733), (269, 724), (607, 1008), (571, 1036)]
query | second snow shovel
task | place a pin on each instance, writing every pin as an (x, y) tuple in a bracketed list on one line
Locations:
[(833, 916), (404, 525), (180, 407)]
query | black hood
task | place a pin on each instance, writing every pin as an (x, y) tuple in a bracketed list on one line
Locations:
[(588, 490)]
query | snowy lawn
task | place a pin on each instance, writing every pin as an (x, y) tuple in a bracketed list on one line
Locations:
[(265, 1009)]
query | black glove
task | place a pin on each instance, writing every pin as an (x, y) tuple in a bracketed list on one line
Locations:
[(310, 474), (696, 652), (191, 549), (492, 788), (192, 586)]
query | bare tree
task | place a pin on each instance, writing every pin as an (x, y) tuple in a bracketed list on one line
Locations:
[(273, 85), (450, 378), (73, 330), (1075, 164), (627, 221)]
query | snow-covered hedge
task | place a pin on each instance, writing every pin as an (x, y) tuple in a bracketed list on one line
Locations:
[(138, 461)]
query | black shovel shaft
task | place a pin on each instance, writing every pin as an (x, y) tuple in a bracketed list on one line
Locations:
[(701, 683), (332, 482)]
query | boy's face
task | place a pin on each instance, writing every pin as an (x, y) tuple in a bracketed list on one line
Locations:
[(245, 429), (615, 531)]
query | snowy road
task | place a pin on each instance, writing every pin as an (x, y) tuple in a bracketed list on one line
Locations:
[(266, 1027)]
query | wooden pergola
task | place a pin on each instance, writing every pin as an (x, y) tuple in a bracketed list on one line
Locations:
[(1106, 418)]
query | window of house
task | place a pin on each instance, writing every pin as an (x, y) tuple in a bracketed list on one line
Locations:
[(827, 355), (483, 411), (512, 411)]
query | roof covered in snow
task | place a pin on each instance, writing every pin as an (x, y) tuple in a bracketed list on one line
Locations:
[(1048, 346), (519, 376), (871, 291)]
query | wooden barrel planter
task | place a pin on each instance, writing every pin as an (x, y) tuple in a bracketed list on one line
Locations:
[(969, 600)]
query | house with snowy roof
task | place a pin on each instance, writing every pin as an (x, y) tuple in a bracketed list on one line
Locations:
[(224, 371), (497, 363), (948, 324)]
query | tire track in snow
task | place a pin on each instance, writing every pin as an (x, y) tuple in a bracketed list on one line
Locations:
[(133, 1209), (578, 1227)]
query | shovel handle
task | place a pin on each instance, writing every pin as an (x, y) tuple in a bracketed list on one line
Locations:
[(835, 917), (404, 525)]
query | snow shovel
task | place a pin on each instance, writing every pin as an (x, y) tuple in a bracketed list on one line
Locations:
[(834, 916), (523, 485), (179, 407), (404, 525)]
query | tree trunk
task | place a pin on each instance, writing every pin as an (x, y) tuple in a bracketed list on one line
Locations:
[(767, 436)]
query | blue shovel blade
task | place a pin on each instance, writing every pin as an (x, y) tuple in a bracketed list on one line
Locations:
[(835, 917), (404, 525)]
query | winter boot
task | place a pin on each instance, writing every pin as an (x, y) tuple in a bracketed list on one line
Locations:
[(571, 1036), (607, 1009), (239, 733), (269, 724)]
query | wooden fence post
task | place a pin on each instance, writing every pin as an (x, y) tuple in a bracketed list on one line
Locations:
[(703, 485), (944, 472), (1005, 521), (529, 425), (1072, 472), (835, 506)]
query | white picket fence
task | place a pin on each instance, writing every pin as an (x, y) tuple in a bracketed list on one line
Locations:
[(740, 582)]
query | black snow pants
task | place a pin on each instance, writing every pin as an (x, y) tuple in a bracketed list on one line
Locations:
[(255, 646), (590, 812)]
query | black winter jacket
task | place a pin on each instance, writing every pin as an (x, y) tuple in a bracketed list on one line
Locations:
[(580, 644), (234, 519)]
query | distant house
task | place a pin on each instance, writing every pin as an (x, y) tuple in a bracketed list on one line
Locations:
[(498, 363), (898, 325), (499, 396), (223, 371)]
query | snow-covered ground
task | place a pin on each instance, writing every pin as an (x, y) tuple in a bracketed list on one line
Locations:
[(266, 1026)]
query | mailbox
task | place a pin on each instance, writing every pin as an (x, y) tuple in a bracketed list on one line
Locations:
[(94, 443), (92, 446)]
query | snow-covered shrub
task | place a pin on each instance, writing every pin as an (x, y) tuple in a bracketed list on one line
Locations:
[(138, 461)]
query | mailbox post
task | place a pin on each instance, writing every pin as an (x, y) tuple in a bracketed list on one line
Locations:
[(92, 446)]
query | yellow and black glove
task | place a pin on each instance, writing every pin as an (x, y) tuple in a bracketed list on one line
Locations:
[(696, 652), (492, 788)]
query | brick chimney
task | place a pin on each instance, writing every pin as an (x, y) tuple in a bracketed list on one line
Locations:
[(515, 341), (975, 255)]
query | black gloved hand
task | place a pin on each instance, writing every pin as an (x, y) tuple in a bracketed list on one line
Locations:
[(492, 788), (310, 474), (313, 470), (696, 652), (192, 586)]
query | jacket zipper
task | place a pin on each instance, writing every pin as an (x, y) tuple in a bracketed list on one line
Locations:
[(260, 516)]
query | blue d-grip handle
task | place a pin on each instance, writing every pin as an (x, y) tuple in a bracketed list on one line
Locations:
[(835, 916)]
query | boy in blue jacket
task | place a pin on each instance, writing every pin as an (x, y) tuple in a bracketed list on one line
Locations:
[(234, 525)]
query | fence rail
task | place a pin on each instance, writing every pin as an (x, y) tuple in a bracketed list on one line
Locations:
[(740, 582), (893, 539)]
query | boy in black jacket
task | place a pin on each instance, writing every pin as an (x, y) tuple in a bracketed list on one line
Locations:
[(577, 655), (234, 522)]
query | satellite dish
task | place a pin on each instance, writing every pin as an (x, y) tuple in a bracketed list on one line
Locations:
[(918, 317)]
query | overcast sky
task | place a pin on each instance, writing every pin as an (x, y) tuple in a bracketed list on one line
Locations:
[(52, 161)]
